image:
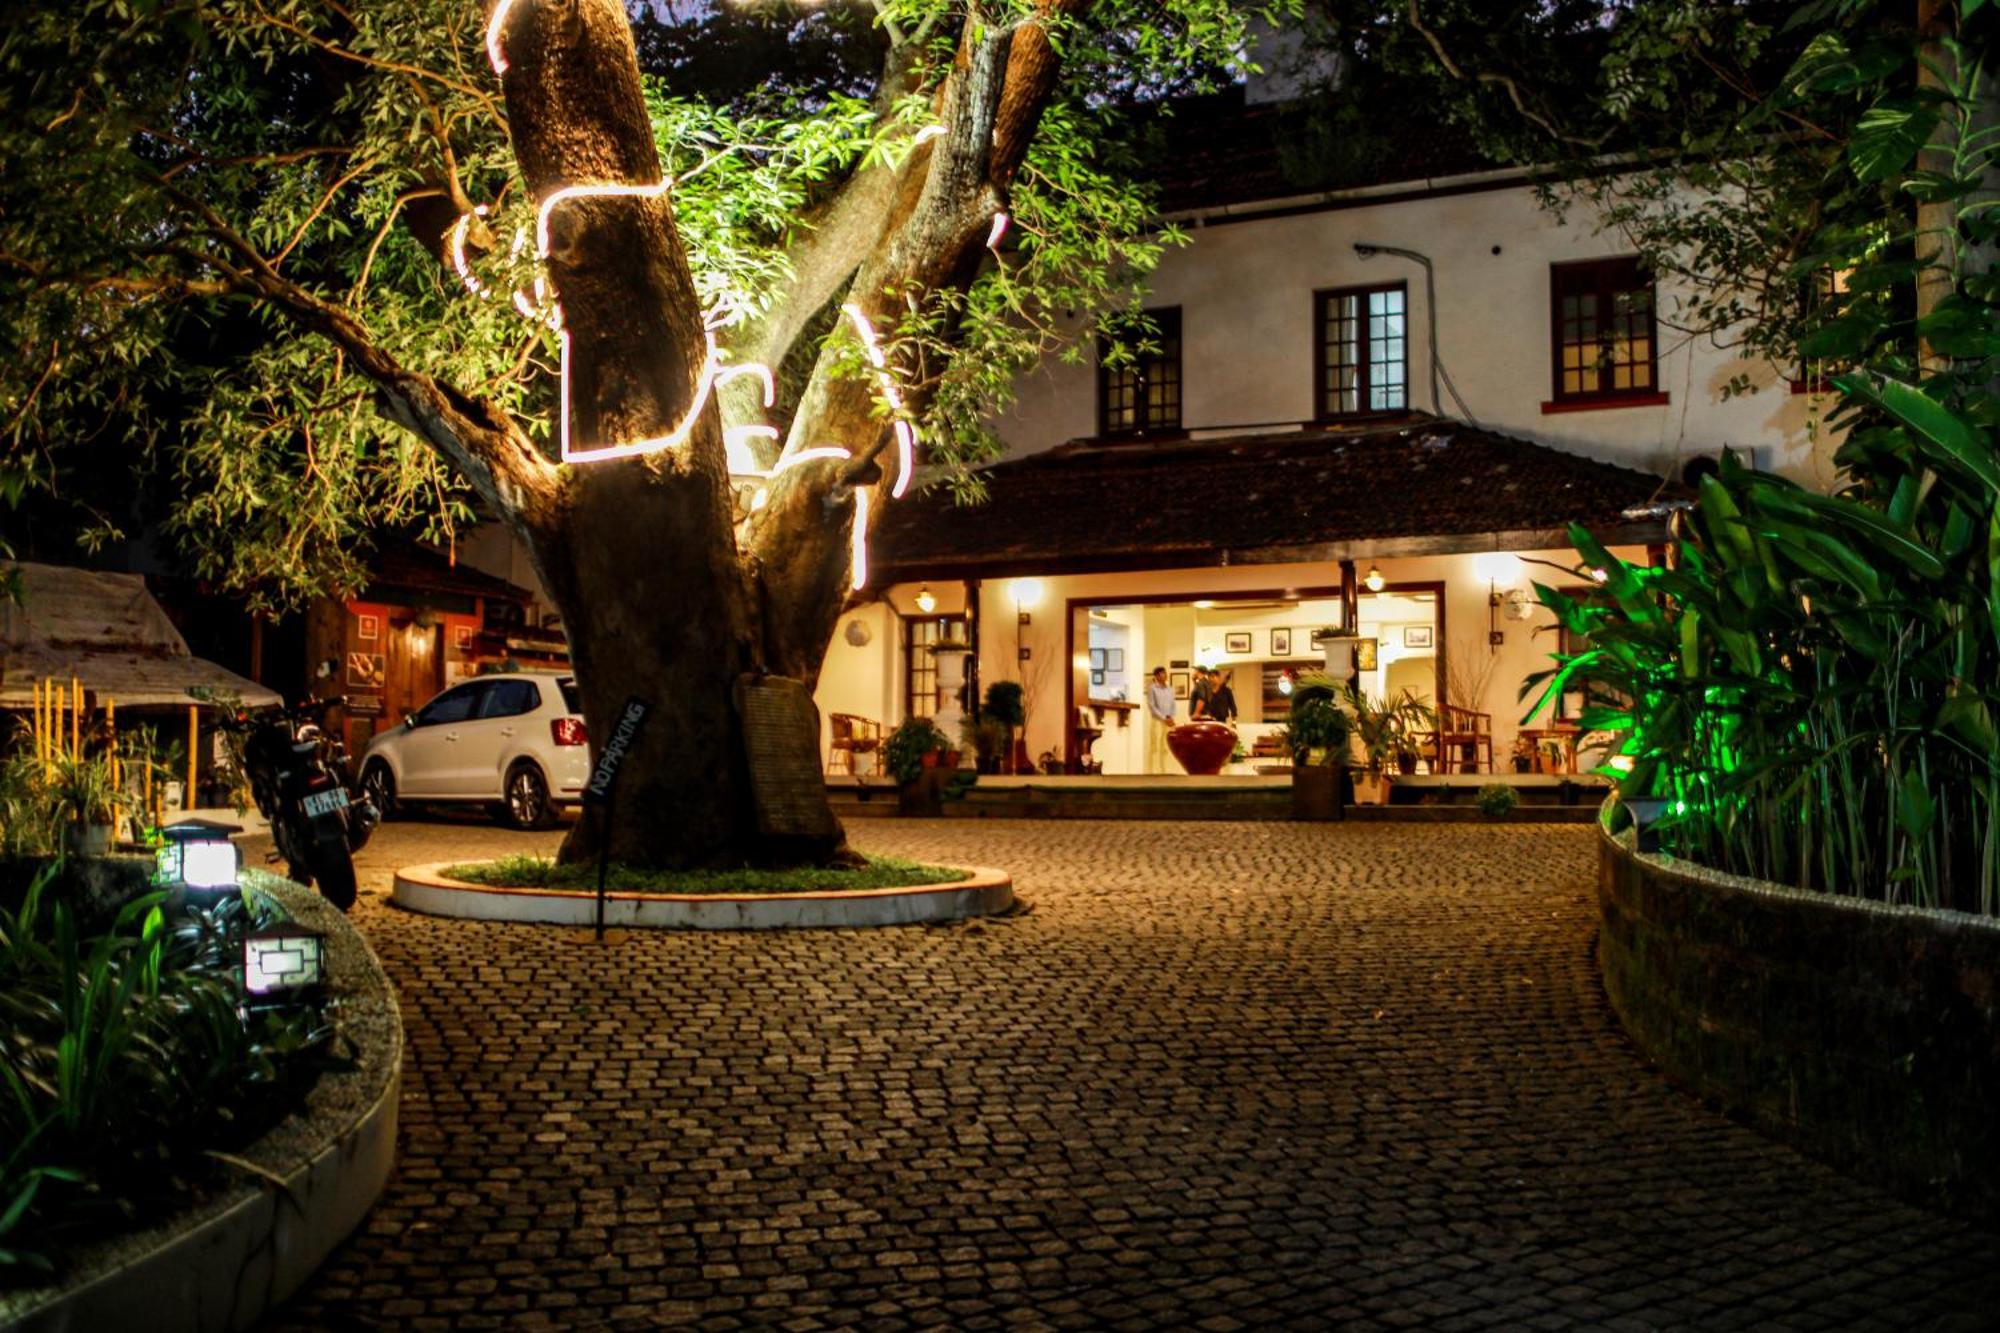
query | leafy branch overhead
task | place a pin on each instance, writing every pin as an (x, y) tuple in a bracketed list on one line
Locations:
[(232, 235)]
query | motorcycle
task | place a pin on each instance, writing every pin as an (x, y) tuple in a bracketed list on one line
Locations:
[(302, 782)]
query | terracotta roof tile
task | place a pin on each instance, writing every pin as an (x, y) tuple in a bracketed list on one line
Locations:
[(1198, 502)]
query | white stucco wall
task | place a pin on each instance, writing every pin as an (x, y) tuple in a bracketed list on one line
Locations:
[(1245, 290)]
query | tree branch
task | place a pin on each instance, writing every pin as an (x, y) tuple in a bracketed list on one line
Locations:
[(492, 454), (1501, 81)]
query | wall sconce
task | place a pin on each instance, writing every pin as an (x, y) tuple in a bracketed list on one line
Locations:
[(197, 855), (1497, 568), (1375, 581), (282, 958), (926, 600)]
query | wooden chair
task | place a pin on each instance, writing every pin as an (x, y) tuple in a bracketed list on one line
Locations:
[(853, 736), (1463, 738)]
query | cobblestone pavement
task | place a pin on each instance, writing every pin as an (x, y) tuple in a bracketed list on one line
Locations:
[(1220, 1076)]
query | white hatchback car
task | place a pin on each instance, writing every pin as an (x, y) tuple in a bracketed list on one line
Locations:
[(514, 740)]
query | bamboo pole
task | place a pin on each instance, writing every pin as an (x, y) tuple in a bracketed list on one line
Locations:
[(35, 729), (111, 758), (194, 739), (75, 718)]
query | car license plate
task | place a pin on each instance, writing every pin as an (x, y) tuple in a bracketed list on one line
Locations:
[(325, 802)]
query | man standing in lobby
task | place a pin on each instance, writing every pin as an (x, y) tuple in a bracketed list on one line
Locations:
[(1160, 720)]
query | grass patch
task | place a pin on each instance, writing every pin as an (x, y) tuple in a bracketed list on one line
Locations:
[(539, 872)]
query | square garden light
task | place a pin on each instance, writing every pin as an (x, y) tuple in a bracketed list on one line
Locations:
[(198, 855), (281, 959)]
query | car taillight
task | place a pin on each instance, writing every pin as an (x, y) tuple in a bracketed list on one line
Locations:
[(567, 730)]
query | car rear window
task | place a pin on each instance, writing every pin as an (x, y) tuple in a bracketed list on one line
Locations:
[(568, 687)]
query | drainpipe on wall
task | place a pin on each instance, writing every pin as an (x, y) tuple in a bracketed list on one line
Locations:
[(1368, 250)]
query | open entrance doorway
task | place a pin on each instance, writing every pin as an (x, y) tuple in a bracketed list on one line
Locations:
[(1255, 639)]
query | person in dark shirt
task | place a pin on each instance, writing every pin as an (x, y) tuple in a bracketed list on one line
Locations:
[(1198, 696), (1221, 697)]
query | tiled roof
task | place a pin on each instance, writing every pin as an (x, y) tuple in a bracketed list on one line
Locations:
[(414, 567), (1214, 151), (1417, 481)]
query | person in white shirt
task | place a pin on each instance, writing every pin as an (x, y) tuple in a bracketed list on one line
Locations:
[(1160, 720)]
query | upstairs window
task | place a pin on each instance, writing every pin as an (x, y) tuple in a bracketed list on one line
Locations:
[(1141, 393), (1605, 344), (1363, 362)]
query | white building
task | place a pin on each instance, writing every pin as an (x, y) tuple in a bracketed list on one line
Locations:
[(1427, 378)]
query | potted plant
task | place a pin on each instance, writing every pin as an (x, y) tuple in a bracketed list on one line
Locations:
[(1007, 708), (1377, 729), (988, 740), (87, 802), (911, 755), (1524, 755), (1316, 735)]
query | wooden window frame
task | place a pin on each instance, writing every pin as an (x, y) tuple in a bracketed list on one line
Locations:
[(1619, 273), (910, 658), (1362, 383), (1167, 319)]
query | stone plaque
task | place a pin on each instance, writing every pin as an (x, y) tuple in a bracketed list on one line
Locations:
[(781, 742)]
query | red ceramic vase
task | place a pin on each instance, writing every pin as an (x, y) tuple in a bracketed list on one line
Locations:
[(1202, 747)]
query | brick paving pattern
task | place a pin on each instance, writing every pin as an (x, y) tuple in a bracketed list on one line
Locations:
[(1221, 1076)]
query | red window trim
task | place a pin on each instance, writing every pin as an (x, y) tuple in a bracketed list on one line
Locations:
[(1605, 403), (1559, 401)]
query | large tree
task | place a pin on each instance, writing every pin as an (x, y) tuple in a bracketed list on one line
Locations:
[(338, 265)]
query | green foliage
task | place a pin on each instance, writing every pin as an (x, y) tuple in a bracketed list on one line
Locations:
[(29, 822), (879, 872), (903, 753), (126, 1058), (1497, 800), (1813, 682), (1317, 731), (341, 143), (1004, 703), (80, 790)]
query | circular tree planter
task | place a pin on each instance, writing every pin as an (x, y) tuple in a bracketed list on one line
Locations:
[(983, 892), (227, 1261), (1864, 1034)]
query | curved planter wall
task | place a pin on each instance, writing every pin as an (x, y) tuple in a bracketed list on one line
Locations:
[(227, 1262), (1863, 1034), (983, 892)]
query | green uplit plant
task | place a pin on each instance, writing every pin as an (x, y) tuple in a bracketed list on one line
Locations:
[(1812, 682)]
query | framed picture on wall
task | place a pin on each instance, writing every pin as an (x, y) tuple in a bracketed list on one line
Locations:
[(1236, 641), (1281, 643), (1097, 659), (1364, 654), (1097, 678), (1419, 636), (1114, 659), (367, 671), (1179, 680), (367, 626), (461, 637)]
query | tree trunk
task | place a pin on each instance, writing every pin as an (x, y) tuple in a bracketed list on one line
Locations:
[(639, 554)]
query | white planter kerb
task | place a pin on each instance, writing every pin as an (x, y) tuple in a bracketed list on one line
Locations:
[(227, 1262)]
